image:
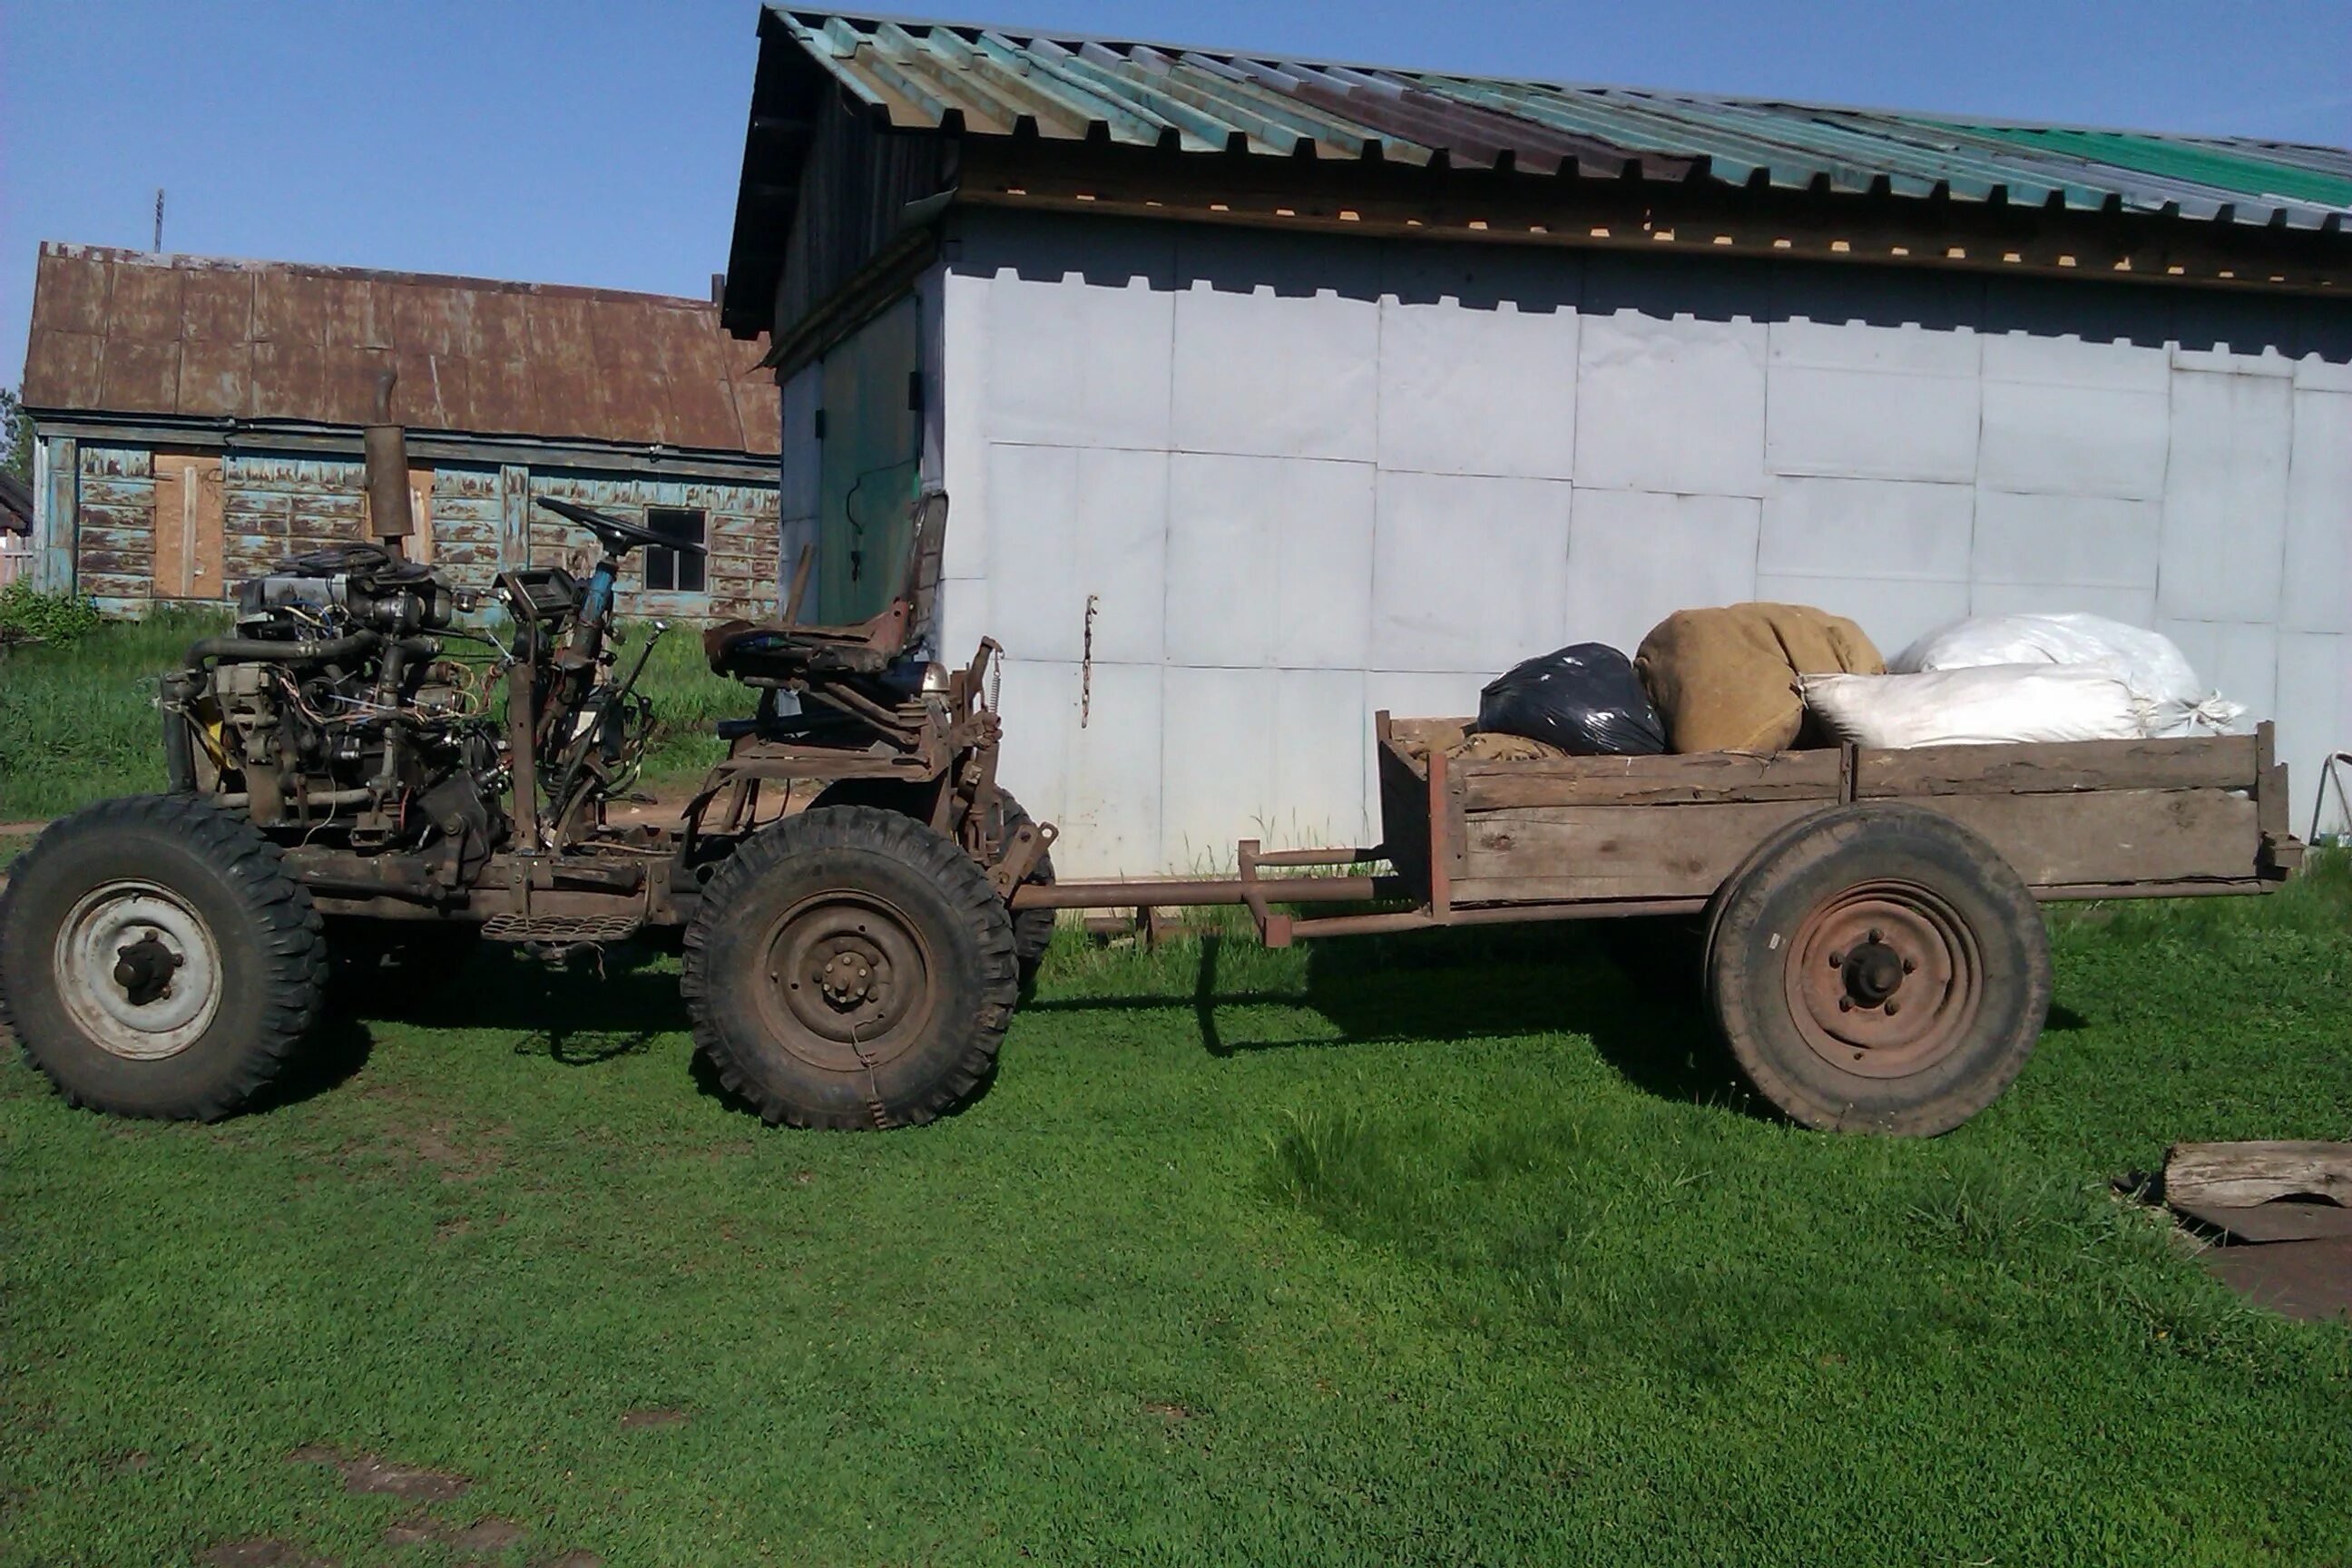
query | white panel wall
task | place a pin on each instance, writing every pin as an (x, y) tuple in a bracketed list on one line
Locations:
[(2225, 493), (1301, 481), (1645, 386), (1466, 391)]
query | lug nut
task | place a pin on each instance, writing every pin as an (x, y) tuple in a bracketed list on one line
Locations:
[(1837, 961), (1845, 1003), (1874, 936), (1892, 1007), (1909, 967)]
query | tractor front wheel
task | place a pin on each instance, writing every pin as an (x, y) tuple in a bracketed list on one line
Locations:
[(157, 959)]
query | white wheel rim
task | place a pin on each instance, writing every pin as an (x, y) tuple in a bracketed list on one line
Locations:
[(138, 970)]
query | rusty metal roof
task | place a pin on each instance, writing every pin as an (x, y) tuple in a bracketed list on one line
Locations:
[(16, 504), (988, 81), (119, 331)]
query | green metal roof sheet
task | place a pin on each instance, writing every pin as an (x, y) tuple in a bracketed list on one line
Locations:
[(988, 81)]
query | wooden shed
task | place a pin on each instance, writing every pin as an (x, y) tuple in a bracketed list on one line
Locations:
[(199, 419)]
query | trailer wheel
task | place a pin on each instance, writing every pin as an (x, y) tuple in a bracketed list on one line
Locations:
[(157, 959), (849, 967), (1881, 970)]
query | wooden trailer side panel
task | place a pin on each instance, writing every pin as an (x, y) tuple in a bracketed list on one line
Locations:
[(2099, 817), (1546, 854), (1570, 829), (2114, 839)]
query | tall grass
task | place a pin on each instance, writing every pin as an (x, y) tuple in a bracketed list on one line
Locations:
[(78, 723)]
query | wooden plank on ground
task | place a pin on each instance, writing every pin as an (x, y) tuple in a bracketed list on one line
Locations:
[(2217, 762), (2237, 1174), (2115, 836), (2281, 1219), (1562, 853)]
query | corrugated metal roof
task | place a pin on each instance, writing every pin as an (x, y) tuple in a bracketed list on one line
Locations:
[(989, 81), (15, 505), (123, 331)]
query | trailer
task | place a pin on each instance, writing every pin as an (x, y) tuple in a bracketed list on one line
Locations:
[(1871, 944)]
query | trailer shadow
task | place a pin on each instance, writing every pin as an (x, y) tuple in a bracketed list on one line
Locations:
[(1631, 989)]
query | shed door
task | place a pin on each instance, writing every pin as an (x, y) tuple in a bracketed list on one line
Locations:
[(868, 467), (188, 507)]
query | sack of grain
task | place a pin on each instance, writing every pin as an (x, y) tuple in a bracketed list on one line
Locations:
[(1725, 680), (2150, 663), (1986, 704)]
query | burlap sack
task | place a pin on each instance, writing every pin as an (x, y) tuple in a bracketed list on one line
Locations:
[(1725, 680), (1488, 746), (1456, 741)]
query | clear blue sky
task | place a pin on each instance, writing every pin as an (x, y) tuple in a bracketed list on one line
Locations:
[(599, 142)]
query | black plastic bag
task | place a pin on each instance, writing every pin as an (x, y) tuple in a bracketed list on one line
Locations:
[(1585, 699)]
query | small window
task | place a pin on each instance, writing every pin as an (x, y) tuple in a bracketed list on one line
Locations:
[(674, 570)]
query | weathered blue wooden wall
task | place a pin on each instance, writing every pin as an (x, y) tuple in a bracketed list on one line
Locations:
[(99, 518)]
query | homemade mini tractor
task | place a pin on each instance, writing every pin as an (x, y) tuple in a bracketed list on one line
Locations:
[(357, 763)]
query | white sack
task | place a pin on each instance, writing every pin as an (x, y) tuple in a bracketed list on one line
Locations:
[(2151, 664), (1990, 704)]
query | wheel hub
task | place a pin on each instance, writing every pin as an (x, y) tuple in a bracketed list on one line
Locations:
[(143, 970), (850, 977), (1884, 979), (138, 970), (849, 981), (1874, 972)]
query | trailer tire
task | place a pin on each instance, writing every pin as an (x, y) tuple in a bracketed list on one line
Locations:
[(1879, 968), (157, 959), (850, 968)]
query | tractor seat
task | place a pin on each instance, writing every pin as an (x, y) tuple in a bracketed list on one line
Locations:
[(779, 651)]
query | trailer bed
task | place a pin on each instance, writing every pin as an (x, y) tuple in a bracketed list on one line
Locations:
[(1661, 834)]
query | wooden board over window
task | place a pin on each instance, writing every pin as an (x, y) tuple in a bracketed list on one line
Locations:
[(189, 496)]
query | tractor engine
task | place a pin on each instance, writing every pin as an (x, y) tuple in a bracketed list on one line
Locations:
[(332, 710)]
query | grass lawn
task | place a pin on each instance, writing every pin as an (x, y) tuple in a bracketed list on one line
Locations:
[(1419, 1250)]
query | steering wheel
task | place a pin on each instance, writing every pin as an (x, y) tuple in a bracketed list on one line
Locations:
[(618, 535)]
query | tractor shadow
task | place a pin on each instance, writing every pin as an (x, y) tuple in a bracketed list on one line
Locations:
[(1631, 987), (600, 1008), (604, 1005)]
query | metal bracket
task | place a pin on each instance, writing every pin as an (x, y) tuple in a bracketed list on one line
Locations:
[(2329, 775), (1022, 850), (1273, 928)]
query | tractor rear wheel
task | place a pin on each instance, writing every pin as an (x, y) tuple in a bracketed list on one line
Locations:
[(157, 959), (849, 967), (1879, 968)]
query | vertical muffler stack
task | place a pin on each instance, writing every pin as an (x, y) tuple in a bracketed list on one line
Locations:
[(387, 472)]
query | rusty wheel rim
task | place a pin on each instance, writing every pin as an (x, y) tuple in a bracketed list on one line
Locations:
[(848, 982), (1884, 979)]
